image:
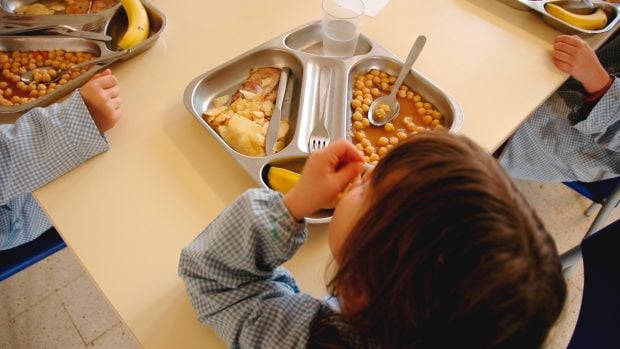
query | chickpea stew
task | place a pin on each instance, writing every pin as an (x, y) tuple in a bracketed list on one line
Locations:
[(13, 91), (416, 115)]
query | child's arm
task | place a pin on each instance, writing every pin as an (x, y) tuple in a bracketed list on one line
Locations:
[(574, 56), (232, 269), (45, 143), (232, 275)]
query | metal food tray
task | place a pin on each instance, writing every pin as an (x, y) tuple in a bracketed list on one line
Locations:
[(112, 22), (612, 11), (301, 50)]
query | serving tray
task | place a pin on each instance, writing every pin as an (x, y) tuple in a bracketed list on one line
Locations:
[(611, 10), (301, 50), (112, 22)]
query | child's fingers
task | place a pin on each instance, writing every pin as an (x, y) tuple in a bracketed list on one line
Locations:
[(107, 81)]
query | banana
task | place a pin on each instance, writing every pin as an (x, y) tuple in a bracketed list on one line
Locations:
[(281, 179), (593, 21), (138, 26)]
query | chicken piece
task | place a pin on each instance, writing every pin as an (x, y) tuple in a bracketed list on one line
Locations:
[(78, 7), (102, 5), (244, 136), (261, 83)]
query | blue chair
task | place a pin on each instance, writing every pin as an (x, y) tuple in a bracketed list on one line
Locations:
[(605, 193), (21, 257), (598, 324)]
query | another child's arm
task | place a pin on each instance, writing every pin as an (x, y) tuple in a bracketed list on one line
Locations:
[(102, 98), (574, 56), (45, 143)]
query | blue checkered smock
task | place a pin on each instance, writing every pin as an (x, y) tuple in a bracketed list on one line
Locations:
[(563, 140), (233, 275), (42, 145)]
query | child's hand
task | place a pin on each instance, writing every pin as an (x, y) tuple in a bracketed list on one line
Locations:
[(102, 97), (574, 56), (326, 173)]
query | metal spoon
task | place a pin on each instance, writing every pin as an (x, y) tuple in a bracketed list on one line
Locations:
[(390, 100), (27, 78)]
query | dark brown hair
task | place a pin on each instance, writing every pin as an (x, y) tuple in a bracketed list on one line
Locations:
[(448, 254)]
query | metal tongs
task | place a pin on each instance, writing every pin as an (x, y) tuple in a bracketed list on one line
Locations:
[(62, 29), (283, 100)]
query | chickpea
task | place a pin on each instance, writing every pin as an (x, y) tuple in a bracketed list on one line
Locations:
[(41, 87), (410, 127), (369, 150), (392, 79), (359, 110), (382, 151), (368, 83), (402, 94), (356, 103), (359, 147), (365, 90), (62, 82), (393, 140), (382, 141), (357, 116), (385, 86), (435, 122), (421, 111), (429, 112), (366, 159), (383, 75), (389, 147), (359, 136), (401, 135), (375, 92), (367, 95), (360, 98), (75, 75), (410, 95), (365, 122), (389, 127), (34, 93), (15, 99), (359, 84), (436, 115), (15, 78), (427, 119), (365, 142), (367, 101), (358, 125), (357, 93), (408, 119), (379, 113), (365, 107), (376, 80), (373, 157), (418, 105), (417, 98), (3, 84), (428, 105), (22, 86), (375, 72)]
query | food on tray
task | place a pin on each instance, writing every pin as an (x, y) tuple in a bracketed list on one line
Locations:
[(281, 179), (137, 26), (243, 124), (597, 19), (416, 115), (13, 91), (50, 7)]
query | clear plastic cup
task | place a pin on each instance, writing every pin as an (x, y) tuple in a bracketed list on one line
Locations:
[(342, 21)]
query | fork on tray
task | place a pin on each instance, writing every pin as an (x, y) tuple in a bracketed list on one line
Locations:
[(319, 137)]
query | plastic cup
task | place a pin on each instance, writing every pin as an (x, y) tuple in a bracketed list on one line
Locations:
[(342, 20)]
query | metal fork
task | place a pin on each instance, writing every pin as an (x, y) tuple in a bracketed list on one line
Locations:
[(319, 137)]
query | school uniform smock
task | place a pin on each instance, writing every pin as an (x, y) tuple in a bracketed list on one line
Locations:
[(569, 137), (42, 145), (233, 275)]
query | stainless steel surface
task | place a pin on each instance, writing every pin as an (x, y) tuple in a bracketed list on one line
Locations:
[(588, 3), (274, 123), (611, 10), (319, 137), (111, 22), (27, 76), (58, 29), (390, 100), (301, 50)]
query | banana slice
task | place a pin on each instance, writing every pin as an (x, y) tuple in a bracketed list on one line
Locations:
[(593, 21)]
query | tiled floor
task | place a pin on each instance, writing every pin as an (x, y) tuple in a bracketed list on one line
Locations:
[(54, 304)]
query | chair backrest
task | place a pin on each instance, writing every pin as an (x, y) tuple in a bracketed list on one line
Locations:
[(21, 257), (598, 325), (595, 191)]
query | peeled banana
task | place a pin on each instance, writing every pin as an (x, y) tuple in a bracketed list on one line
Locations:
[(593, 21), (138, 26), (281, 179)]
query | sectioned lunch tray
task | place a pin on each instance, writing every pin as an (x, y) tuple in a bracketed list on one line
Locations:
[(301, 50), (112, 22), (611, 10)]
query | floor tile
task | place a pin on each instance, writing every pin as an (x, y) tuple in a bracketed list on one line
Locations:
[(116, 337), (89, 310), (46, 325)]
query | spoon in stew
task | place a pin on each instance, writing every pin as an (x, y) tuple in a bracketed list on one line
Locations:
[(27, 77), (385, 108)]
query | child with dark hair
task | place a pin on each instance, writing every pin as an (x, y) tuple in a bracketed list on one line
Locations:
[(434, 248)]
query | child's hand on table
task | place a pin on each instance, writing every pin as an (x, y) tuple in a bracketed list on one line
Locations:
[(101, 95), (573, 55)]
